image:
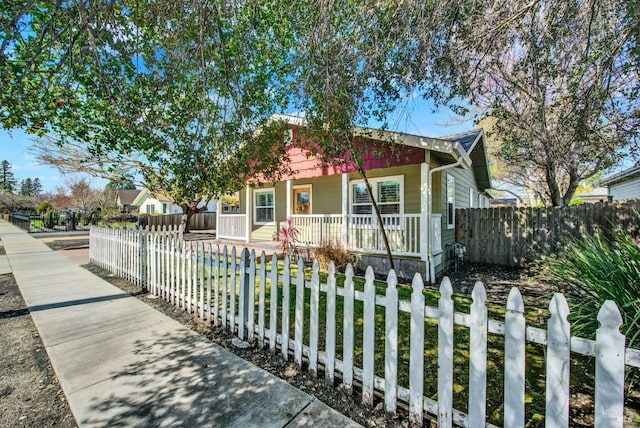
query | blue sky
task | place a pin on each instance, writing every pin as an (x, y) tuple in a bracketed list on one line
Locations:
[(416, 118), (13, 147)]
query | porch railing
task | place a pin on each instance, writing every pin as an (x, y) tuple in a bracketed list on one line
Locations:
[(232, 226), (403, 233), (315, 229)]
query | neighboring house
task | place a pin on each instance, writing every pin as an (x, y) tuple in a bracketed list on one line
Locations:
[(625, 184), (504, 202), (125, 200), (417, 192), (598, 194), (161, 204)]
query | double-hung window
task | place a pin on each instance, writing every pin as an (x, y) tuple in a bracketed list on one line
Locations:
[(387, 191), (451, 202), (264, 206)]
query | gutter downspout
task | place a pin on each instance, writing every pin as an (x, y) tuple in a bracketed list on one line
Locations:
[(432, 268)]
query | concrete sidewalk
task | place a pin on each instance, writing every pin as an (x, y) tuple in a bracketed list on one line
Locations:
[(122, 363)]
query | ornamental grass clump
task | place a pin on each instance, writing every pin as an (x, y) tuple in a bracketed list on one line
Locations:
[(596, 269)]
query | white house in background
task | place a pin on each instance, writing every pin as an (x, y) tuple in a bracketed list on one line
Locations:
[(161, 204), (598, 194), (625, 184)]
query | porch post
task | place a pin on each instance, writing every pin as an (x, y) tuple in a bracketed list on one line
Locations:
[(345, 209), (425, 221), (247, 219), (289, 188)]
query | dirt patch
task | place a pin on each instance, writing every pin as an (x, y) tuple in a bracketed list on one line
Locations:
[(65, 244), (30, 395), (537, 290)]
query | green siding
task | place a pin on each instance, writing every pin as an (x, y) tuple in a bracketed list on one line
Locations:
[(464, 180), (326, 193), (412, 183)]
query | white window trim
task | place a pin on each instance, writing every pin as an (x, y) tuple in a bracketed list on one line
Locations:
[(255, 207), (471, 197), (374, 186), (451, 222), (302, 186)]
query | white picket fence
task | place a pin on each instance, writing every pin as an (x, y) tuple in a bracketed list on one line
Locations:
[(225, 290)]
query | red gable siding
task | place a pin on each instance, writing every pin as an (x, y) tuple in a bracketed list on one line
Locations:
[(306, 166)]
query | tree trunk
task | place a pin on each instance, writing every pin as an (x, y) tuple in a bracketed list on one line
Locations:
[(552, 184), (379, 217), (189, 211)]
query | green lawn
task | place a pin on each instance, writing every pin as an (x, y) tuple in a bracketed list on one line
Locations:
[(535, 316)]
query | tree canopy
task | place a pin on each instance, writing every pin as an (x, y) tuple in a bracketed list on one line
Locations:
[(181, 88), (560, 79)]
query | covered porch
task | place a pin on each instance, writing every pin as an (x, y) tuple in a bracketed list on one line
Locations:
[(344, 217)]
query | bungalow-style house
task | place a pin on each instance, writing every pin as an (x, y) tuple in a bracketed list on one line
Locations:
[(125, 199), (417, 191), (142, 202), (625, 184), (161, 204)]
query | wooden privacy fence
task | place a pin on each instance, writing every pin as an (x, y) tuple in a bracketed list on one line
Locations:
[(510, 236), (316, 322), (200, 221)]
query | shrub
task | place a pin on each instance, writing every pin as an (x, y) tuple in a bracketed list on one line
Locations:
[(43, 207), (50, 219), (596, 269), (288, 237), (331, 250)]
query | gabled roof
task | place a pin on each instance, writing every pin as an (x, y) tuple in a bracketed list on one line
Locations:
[(447, 147), (625, 175), (127, 196), (473, 142), (469, 146)]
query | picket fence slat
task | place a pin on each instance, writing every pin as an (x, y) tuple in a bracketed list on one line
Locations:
[(416, 356), (391, 345), (273, 309), (314, 319), (347, 347), (558, 363), (445, 354), (478, 358), (514, 361), (331, 324), (204, 282), (299, 312), (368, 337), (286, 293), (609, 395)]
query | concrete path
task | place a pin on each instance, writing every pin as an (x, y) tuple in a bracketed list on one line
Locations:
[(122, 363)]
